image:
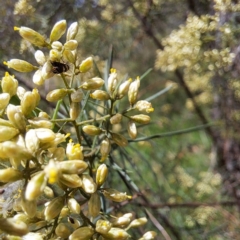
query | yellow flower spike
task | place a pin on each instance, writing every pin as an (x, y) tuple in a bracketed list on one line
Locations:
[(115, 195), (58, 30), (86, 65), (116, 233), (74, 151), (100, 95), (82, 233), (72, 31), (133, 91), (32, 36), (9, 84), (92, 84), (101, 175), (141, 118), (94, 205), (13, 227), (20, 65), (103, 226)]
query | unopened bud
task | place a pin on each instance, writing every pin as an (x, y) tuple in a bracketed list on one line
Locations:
[(32, 36), (103, 226), (69, 56), (138, 222), (20, 65), (72, 31), (144, 106), (4, 100), (71, 45), (150, 235), (119, 139), (100, 95), (133, 91), (29, 101), (116, 233), (141, 118), (115, 119), (101, 174), (86, 65), (54, 55), (92, 84), (92, 130), (123, 88), (56, 95), (74, 110), (47, 70), (40, 57), (73, 166), (88, 185), (94, 205), (57, 45), (39, 122), (10, 175), (70, 180), (29, 207), (38, 78), (13, 227), (123, 221), (105, 149), (77, 95), (7, 133), (9, 84), (82, 233), (74, 206), (63, 230), (132, 129), (53, 209), (115, 195), (48, 192), (112, 81), (58, 30)]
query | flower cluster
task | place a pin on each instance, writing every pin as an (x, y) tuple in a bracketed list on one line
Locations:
[(62, 186)]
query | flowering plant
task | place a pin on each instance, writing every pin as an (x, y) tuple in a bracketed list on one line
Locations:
[(60, 188)]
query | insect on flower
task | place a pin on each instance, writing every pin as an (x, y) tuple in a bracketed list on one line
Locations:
[(59, 67)]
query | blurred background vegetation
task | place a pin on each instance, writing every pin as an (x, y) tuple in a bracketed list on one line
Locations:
[(188, 176)]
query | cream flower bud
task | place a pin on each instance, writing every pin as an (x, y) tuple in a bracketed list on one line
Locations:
[(32, 141), (123, 88), (82, 233), (92, 130), (45, 135), (70, 180), (4, 100), (72, 31), (48, 192), (105, 149), (150, 235), (115, 195), (74, 110), (29, 101), (94, 205), (47, 70), (20, 65), (138, 222), (58, 30), (35, 186), (29, 207), (112, 81), (54, 208), (115, 119), (141, 118), (100, 95), (144, 106), (40, 57), (73, 166), (9, 84), (39, 122), (32, 36), (74, 151), (16, 116), (21, 217), (119, 139), (74, 206), (38, 78), (116, 233), (63, 230), (77, 95), (132, 129), (92, 84), (88, 185), (54, 55), (69, 56), (71, 45), (133, 91), (56, 94), (123, 221), (103, 226), (13, 227), (7, 133), (57, 45), (10, 175), (86, 65), (20, 92), (101, 174)]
